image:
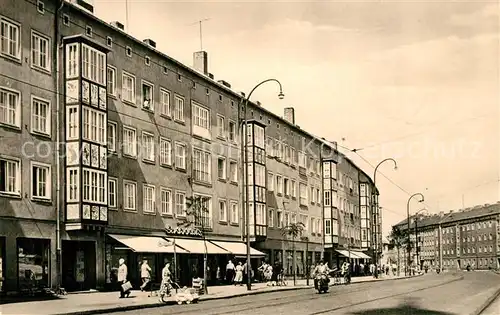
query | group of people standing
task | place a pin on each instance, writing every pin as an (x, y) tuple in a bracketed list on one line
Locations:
[(270, 273)]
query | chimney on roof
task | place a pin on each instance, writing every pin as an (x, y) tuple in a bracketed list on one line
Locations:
[(290, 115), (258, 103), (211, 76), (85, 4), (226, 84), (150, 42), (200, 62), (242, 94), (441, 213), (118, 25)]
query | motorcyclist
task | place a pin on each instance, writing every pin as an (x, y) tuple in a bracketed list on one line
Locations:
[(319, 270)]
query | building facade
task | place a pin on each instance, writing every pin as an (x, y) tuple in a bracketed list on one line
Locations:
[(105, 140), (455, 240)]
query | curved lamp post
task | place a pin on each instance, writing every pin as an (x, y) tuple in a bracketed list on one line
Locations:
[(408, 223), (244, 156), (376, 204)]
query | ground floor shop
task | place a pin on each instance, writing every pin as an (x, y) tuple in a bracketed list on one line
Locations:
[(27, 255), (284, 252)]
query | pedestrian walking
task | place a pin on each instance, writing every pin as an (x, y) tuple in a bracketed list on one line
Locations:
[(122, 279), (238, 278), (230, 272), (166, 282), (145, 274)]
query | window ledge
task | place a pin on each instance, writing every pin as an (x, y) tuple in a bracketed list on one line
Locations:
[(41, 200), (12, 58), (41, 134), (129, 156), (41, 70), (112, 96), (221, 222), (151, 162), (234, 224), (130, 210), (149, 110), (167, 215), (181, 169), (10, 195), (153, 214), (166, 165), (234, 183), (221, 138), (169, 117), (12, 127), (113, 208), (182, 122), (222, 180), (129, 103), (198, 182)]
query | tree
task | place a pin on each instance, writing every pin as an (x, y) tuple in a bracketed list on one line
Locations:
[(293, 230), (398, 239), (198, 210)]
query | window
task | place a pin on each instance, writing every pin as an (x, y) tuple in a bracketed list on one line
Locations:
[(302, 159), (206, 211), (147, 96), (10, 38), (201, 166), (129, 141), (128, 88), (327, 199), (328, 227), (72, 120), (279, 184), (165, 103), (93, 64), (94, 125), (221, 168), (221, 130), (312, 194), (232, 131), (179, 108), (270, 181), (128, 51), (72, 60), (65, 19), (112, 192), (73, 184), (149, 198), (111, 136), (286, 186), (313, 226), (222, 211), (270, 219), (148, 147), (94, 186), (129, 194), (40, 7), (180, 155), (180, 203), (147, 61), (88, 31), (165, 70), (234, 212), (40, 181), (166, 202), (233, 171), (318, 195), (165, 152), (294, 189), (201, 121), (40, 51), (111, 81), (279, 219), (303, 194), (10, 109), (40, 116), (109, 41)]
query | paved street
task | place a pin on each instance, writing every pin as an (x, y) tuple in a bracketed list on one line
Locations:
[(458, 294)]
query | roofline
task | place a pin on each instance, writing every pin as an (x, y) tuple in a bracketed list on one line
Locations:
[(187, 68), (342, 155)]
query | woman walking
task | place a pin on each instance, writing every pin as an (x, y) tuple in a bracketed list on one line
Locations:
[(165, 287), (238, 279)]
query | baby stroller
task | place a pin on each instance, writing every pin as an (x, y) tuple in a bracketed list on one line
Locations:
[(337, 276)]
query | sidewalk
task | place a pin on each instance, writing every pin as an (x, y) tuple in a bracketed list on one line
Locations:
[(106, 302)]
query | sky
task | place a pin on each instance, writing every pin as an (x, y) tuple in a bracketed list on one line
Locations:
[(417, 81)]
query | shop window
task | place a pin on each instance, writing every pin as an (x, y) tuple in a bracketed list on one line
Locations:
[(33, 263)]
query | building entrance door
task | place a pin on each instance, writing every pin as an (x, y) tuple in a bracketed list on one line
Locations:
[(78, 265)]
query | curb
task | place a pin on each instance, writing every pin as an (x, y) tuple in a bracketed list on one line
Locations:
[(208, 298), (489, 301)]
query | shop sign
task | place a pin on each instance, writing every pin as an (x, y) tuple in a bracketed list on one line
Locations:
[(184, 231)]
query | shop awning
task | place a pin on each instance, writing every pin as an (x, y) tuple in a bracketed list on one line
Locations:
[(194, 246), (238, 248), (353, 254), (147, 244)]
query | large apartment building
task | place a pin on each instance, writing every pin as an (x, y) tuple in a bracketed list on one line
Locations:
[(455, 239), (138, 135)]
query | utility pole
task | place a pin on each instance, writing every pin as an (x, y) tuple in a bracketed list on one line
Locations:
[(126, 16)]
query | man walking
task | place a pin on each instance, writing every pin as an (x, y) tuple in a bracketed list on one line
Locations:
[(145, 274)]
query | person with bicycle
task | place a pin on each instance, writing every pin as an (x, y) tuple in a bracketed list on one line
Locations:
[(166, 282), (346, 271)]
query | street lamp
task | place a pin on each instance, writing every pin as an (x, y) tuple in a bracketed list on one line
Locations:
[(244, 156), (408, 222), (374, 211), (306, 239)]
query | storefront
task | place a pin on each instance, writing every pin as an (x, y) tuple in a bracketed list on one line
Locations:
[(33, 264), (79, 265), (2, 264)]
